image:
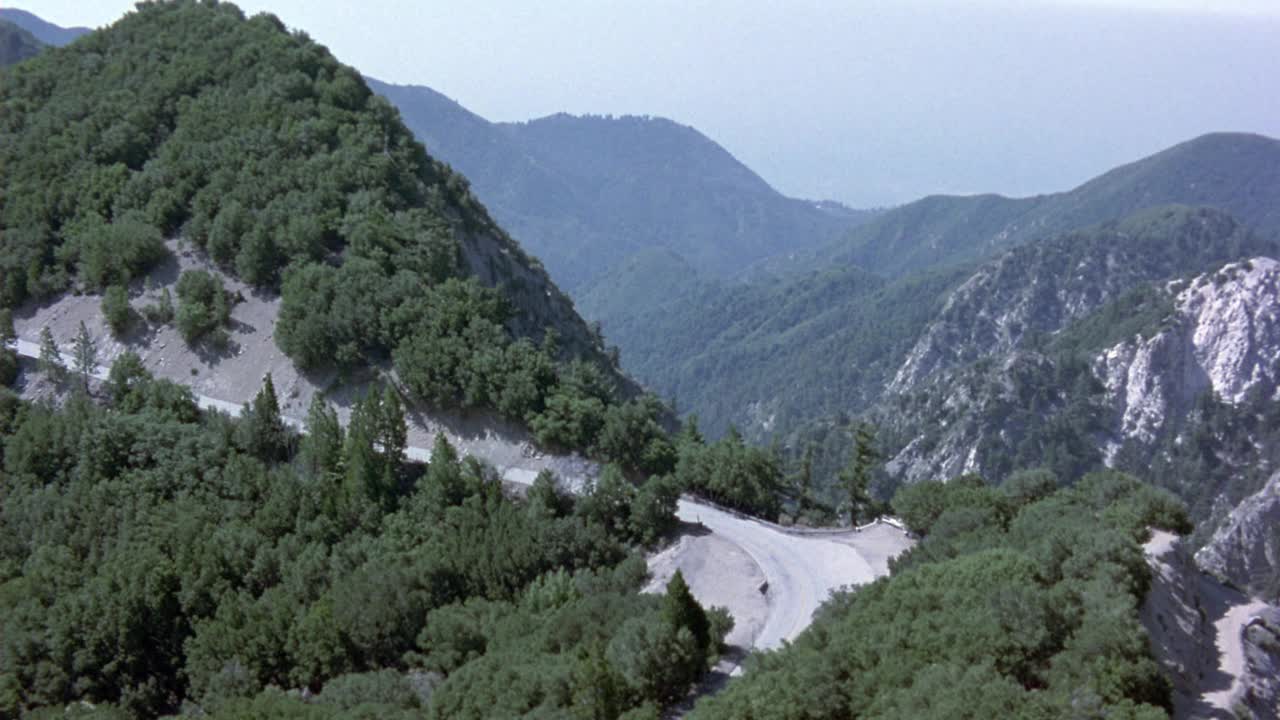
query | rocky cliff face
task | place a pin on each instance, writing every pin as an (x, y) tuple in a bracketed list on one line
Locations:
[(1173, 613), (1213, 340), (959, 420), (1041, 288), (1261, 694), (1225, 338), (1219, 648), (1245, 550)]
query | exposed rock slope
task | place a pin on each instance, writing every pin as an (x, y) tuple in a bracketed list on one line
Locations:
[(1068, 352), (1218, 647), (1261, 694), (1245, 550), (1041, 288), (1225, 339)]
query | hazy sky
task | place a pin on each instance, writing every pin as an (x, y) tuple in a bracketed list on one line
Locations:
[(870, 103)]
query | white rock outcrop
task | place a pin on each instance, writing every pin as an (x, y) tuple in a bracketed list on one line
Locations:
[(1245, 549), (1225, 337)]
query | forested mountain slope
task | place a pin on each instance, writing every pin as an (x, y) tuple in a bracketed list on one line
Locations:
[(16, 44), (280, 164), (156, 559), (1006, 373), (1018, 602), (586, 193), (709, 360), (45, 32), (768, 354), (1234, 172)]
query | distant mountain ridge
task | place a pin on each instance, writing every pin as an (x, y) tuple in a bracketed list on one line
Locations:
[(736, 370), (1235, 172), (585, 193), (45, 32)]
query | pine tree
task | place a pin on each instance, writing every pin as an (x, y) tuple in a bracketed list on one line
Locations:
[(595, 687), (856, 477), (690, 433), (393, 433), (7, 334), (361, 461), (376, 441), (262, 430), (444, 485), (681, 610), (50, 357), (85, 353), (804, 478), (8, 355), (321, 449)]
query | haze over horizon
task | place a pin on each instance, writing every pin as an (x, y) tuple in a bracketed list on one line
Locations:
[(863, 103)]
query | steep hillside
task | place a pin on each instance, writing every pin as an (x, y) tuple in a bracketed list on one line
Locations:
[(1011, 605), (768, 354), (653, 277), (709, 359), (16, 44), (187, 121), (1245, 549), (1040, 288), (586, 193), (1216, 644), (1236, 173), (45, 32), (1174, 382)]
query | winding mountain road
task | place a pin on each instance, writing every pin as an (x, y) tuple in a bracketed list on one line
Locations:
[(800, 570)]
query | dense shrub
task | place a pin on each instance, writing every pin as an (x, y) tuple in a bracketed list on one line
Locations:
[(1002, 610), (232, 557), (116, 309), (204, 306)]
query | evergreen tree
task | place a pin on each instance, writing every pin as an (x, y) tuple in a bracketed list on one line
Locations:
[(320, 452), (361, 463), (690, 433), (116, 310), (262, 430), (127, 375), (856, 477), (443, 485), (7, 334), (804, 478), (393, 433), (85, 352), (160, 312), (596, 688), (545, 499), (681, 610), (50, 357), (8, 355), (375, 447)]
